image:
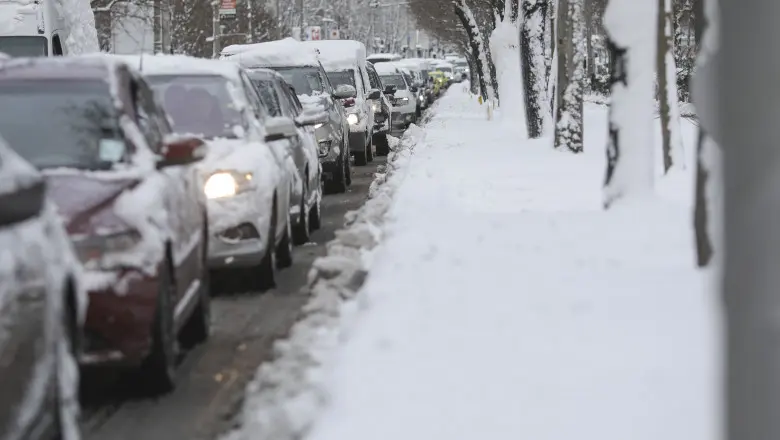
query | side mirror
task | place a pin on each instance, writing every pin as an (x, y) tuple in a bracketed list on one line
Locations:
[(345, 91), (182, 150), (279, 128), (22, 203), (311, 118), (390, 90), (374, 94)]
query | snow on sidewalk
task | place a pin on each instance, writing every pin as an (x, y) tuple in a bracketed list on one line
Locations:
[(506, 304)]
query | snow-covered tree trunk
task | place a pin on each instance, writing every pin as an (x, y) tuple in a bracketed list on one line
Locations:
[(707, 196), (631, 40), (505, 47), (478, 48), (532, 38), (571, 75), (669, 109)]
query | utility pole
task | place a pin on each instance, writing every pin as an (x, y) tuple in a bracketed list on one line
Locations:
[(215, 32), (250, 34)]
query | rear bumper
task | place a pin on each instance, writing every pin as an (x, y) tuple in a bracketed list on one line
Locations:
[(120, 316)]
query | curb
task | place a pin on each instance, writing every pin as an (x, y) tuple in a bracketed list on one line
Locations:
[(287, 395)]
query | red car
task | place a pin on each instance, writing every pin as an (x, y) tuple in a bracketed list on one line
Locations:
[(133, 208)]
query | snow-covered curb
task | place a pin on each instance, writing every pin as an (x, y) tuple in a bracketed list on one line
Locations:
[(287, 394)]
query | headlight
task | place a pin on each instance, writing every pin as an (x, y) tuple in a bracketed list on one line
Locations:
[(352, 119), (375, 107), (316, 126), (226, 184), (92, 249)]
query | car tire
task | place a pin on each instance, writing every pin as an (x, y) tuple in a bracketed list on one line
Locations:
[(361, 157), (158, 370), (382, 146), (315, 215), (370, 148), (67, 352), (303, 226), (347, 171), (339, 181), (198, 328), (267, 268), (284, 250)]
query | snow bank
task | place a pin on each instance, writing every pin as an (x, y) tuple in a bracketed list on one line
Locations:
[(505, 302), (504, 45), (288, 393)]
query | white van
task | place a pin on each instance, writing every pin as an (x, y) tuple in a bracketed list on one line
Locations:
[(31, 28)]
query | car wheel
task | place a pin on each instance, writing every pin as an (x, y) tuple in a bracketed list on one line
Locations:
[(382, 146), (361, 157), (340, 180), (159, 369), (302, 228), (348, 171), (284, 249), (267, 279), (198, 328), (315, 215), (65, 402), (370, 149)]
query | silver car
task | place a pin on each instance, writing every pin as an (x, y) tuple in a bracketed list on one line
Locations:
[(41, 310)]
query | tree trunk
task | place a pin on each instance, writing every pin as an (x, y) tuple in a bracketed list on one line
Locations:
[(589, 64), (631, 43), (533, 65), (704, 247), (663, 86), (571, 76), (472, 32)]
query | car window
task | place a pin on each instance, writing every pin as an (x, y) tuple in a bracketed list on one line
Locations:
[(268, 94), (374, 79), (362, 75), (254, 99), (287, 98), (325, 81), (146, 114), (294, 98)]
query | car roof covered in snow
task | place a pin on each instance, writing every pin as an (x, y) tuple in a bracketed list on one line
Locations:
[(444, 64), (386, 68), (339, 54), (384, 56), (4, 56), (264, 73), (280, 53), (63, 68), (179, 65)]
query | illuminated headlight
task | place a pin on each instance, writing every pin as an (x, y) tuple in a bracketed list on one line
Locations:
[(353, 119), (226, 184), (316, 126), (91, 249), (375, 107)]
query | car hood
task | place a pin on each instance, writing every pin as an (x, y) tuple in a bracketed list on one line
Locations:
[(80, 198)]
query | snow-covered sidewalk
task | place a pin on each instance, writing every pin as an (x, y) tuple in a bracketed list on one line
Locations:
[(506, 304)]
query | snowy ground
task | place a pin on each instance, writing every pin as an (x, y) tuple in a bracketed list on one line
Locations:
[(504, 303)]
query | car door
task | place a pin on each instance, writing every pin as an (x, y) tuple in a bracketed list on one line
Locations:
[(362, 80), (309, 141), (183, 197), (280, 151)]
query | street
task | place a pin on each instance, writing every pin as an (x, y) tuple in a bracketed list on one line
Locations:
[(212, 377)]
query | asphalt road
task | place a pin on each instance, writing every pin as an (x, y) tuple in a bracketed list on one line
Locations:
[(212, 376)]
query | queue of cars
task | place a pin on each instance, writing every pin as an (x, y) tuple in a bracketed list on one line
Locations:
[(126, 182)]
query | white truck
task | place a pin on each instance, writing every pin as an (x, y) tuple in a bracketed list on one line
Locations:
[(30, 28)]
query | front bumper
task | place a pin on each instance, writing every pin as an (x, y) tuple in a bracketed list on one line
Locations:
[(240, 225), (120, 316), (381, 123), (402, 119)]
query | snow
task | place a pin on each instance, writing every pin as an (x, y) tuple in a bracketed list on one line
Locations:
[(339, 54), (287, 53), (79, 20), (632, 99), (504, 45), (178, 64), (386, 68), (503, 301)]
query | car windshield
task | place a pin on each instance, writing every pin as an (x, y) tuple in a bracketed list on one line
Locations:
[(305, 80), (342, 77), (199, 104), (446, 69), (32, 46), (461, 64), (394, 80), (62, 124)]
